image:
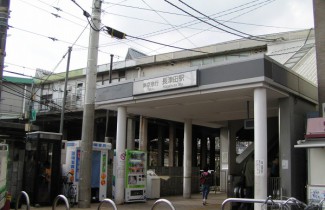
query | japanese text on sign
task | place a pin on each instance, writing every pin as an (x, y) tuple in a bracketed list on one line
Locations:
[(185, 79)]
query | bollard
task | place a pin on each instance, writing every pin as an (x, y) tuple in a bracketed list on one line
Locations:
[(67, 206), (26, 198), (163, 201), (107, 200)]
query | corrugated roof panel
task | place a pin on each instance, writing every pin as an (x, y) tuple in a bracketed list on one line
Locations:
[(283, 51), (307, 67)]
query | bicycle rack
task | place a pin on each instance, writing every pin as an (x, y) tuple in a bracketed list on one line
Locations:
[(269, 201), (26, 198), (67, 205), (163, 201), (107, 200), (321, 202)]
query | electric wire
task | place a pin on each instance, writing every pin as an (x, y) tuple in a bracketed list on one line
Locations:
[(62, 57), (85, 15), (256, 37), (176, 29), (60, 10), (192, 35), (194, 22), (230, 32), (41, 35), (10, 105), (54, 14), (166, 45), (22, 94), (163, 44)]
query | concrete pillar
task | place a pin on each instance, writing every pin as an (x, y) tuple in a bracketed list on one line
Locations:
[(172, 145), (224, 148), (120, 153), (143, 134), (293, 164), (187, 174), (161, 142), (319, 18), (130, 144), (260, 144), (194, 151), (203, 152), (212, 153), (180, 151)]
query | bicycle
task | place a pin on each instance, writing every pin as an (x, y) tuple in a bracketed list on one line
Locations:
[(69, 189)]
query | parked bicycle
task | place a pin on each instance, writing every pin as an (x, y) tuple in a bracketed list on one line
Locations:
[(69, 189)]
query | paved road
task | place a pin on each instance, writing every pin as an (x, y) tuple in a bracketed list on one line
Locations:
[(194, 203)]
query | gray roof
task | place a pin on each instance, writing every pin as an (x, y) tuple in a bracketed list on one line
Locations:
[(133, 54)]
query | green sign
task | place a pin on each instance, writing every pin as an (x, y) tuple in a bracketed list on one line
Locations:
[(33, 115)]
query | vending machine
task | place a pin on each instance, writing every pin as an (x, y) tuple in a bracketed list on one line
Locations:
[(98, 171), (135, 175)]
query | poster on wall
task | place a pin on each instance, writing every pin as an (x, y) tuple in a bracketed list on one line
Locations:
[(315, 193)]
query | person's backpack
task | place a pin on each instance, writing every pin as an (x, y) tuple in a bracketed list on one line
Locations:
[(203, 178)]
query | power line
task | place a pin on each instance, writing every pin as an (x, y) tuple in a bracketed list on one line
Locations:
[(194, 22), (51, 13), (167, 45), (255, 37), (41, 35), (239, 35), (170, 24), (120, 35), (22, 95)]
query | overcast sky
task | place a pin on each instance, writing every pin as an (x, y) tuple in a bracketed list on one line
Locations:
[(42, 30)]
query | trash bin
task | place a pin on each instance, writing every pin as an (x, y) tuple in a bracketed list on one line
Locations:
[(153, 185)]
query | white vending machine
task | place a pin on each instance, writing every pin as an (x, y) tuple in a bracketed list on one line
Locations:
[(135, 175), (99, 167)]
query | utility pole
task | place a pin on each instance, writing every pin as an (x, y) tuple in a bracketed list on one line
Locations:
[(89, 109), (65, 91), (107, 111), (319, 15), (4, 15)]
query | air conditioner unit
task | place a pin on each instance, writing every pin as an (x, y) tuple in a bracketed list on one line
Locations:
[(249, 124)]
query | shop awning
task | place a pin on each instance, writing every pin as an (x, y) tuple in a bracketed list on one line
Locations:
[(315, 134), (319, 143)]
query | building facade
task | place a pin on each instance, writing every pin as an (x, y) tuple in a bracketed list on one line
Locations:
[(190, 108)]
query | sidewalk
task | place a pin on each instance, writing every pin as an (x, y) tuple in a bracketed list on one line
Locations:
[(194, 203)]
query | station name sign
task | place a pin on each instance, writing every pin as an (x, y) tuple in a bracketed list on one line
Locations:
[(168, 82)]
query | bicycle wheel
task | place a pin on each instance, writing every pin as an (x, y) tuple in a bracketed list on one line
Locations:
[(72, 196)]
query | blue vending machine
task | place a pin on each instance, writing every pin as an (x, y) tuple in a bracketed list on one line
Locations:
[(99, 167)]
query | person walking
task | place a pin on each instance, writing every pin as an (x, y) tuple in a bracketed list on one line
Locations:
[(205, 180), (249, 183)]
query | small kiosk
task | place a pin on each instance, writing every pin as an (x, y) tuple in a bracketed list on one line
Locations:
[(99, 167), (314, 142), (42, 177)]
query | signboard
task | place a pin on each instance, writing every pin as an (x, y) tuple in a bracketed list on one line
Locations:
[(315, 194), (168, 82)]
